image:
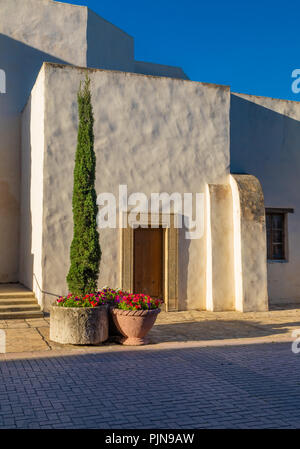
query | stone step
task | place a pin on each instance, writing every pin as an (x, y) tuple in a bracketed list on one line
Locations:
[(17, 301), (19, 308), (21, 315), (16, 294)]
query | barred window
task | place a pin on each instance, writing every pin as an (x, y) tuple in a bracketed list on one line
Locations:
[(276, 221), (275, 236)]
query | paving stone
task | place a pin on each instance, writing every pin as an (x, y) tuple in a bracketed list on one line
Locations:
[(172, 327), (227, 387), (21, 339), (37, 322), (204, 370), (16, 324)]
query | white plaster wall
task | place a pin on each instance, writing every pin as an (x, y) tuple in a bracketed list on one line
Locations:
[(108, 47), (250, 240), (265, 142), (31, 213), (153, 134), (220, 254), (58, 29), (31, 32), (9, 194), (237, 245)]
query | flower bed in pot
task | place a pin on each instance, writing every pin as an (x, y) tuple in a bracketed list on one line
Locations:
[(79, 320), (112, 297), (134, 316)]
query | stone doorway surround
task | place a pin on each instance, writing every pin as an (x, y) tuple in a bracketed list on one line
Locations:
[(167, 222)]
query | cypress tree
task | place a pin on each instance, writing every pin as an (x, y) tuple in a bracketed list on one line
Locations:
[(85, 253)]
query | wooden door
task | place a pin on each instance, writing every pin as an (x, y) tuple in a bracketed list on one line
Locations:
[(148, 262)]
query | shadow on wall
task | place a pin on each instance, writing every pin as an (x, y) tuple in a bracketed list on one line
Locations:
[(183, 264), (26, 260), (21, 64), (116, 51), (266, 144)]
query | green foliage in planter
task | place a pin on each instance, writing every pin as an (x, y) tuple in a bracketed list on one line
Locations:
[(85, 253)]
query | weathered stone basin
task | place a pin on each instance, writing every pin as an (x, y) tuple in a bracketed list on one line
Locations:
[(79, 325)]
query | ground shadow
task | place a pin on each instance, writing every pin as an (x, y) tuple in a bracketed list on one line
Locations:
[(217, 330), (288, 306), (249, 386)]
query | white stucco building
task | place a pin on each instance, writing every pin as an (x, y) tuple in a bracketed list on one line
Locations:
[(155, 131)]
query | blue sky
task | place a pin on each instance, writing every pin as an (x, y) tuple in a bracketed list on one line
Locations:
[(253, 46)]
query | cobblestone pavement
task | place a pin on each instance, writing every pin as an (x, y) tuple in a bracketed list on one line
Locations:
[(173, 328), (242, 386)]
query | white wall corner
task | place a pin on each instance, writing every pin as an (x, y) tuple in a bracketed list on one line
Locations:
[(31, 228), (237, 245), (250, 244), (209, 286)]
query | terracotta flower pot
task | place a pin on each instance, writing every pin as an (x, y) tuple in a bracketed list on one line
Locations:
[(134, 325)]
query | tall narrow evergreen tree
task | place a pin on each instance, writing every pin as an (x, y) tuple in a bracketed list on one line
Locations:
[(85, 253)]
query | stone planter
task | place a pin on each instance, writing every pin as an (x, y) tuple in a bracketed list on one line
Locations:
[(79, 325), (134, 325)]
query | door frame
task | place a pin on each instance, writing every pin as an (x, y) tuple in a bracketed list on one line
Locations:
[(170, 255)]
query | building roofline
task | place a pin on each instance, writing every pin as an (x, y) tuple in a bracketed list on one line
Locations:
[(158, 63), (64, 3), (92, 69), (163, 65), (262, 96), (107, 21), (98, 15)]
